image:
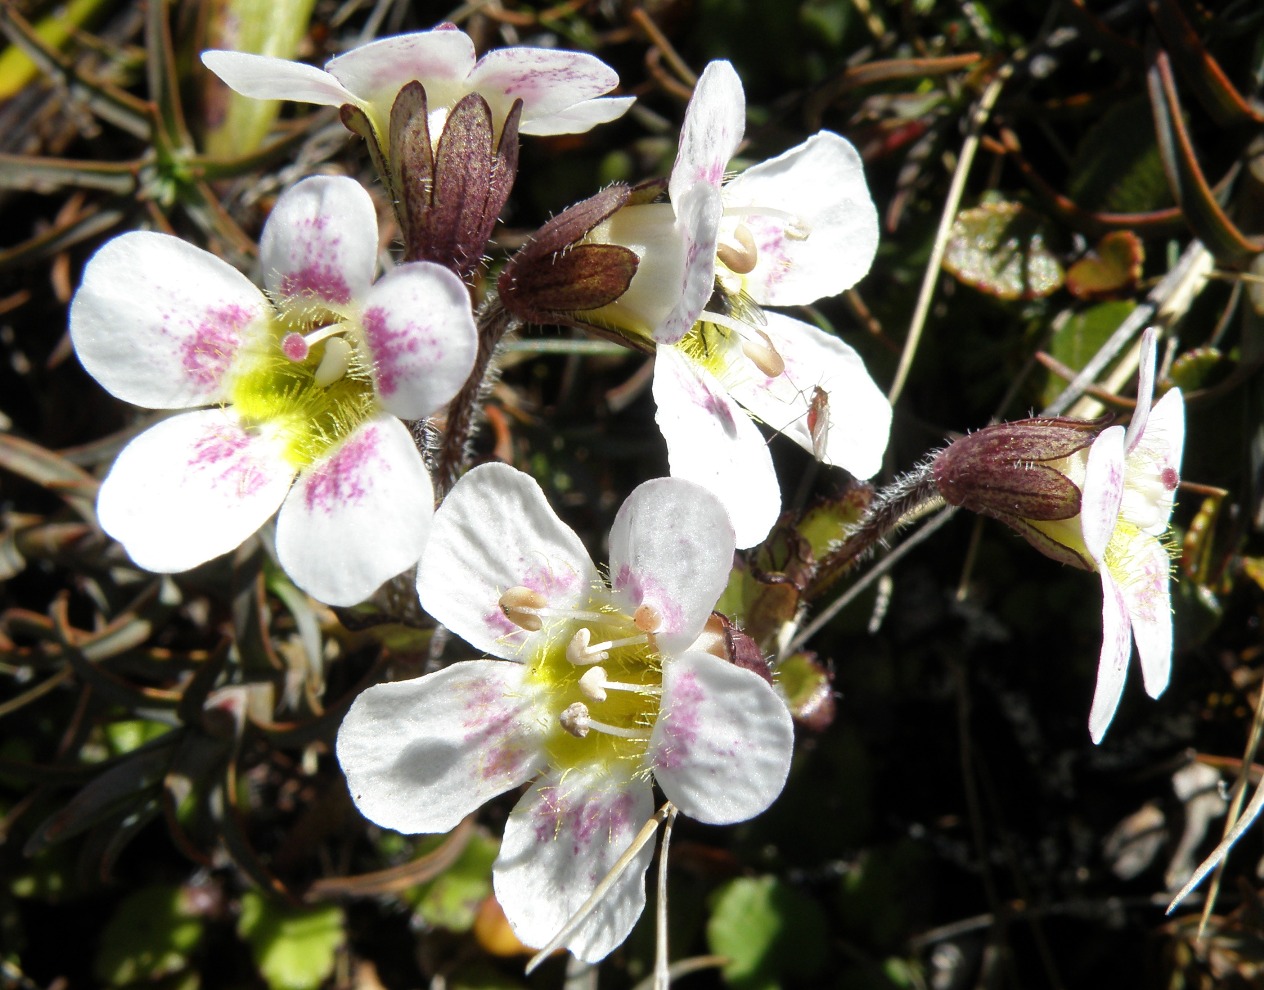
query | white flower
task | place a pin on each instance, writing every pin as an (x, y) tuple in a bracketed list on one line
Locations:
[(788, 231), (1129, 486), (559, 89), (296, 399), (600, 686)]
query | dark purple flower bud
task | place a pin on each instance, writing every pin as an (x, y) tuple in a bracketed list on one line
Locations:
[(1028, 474), (555, 277)]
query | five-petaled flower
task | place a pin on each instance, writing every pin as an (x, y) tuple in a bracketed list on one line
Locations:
[(788, 231), (562, 92), (1095, 498), (295, 392), (610, 685)]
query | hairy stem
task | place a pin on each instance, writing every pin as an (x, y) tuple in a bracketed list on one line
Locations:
[(494, 322)]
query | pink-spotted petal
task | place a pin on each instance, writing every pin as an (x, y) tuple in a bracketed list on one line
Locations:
[(1153, 466), (820, 232), (712, 442), (420, 755), (376, 72), (320, 243), (671, 549), (159, 322), (560, 841), (358, 516), (495, 531), (1146, 591), (722, 744), (698, 224), (580, 118), (1112, 668), (714, 124), (1102, 492), (420, 331), (548, 81), (857, 413), (266, 78), (191, 488)]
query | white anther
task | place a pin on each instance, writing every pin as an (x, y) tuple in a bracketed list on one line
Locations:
[(334, 363), (575, 720), (742, 257), (520, 604), (592, 684), (764, 356), (580, 653)]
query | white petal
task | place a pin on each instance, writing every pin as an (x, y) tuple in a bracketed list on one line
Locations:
[(1112, 669), (698, 225), (1152, 469), (358, 517), (859, 415), (560, 842), (191, 488), (420, 755), (1144, 577), (712, 442), (320, 243), (266, 78), (715, 121), (671, 548), (1145, 386), (580, 118), (158, 321), (376, 72), (822, 238), (547, 81), (1102, 492), (495, 531), (722, 745), (420, 331)]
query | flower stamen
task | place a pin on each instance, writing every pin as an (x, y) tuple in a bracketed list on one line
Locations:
[(596, 682), (578, 722), (742, 257)]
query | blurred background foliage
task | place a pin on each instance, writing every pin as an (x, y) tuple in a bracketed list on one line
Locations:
[(170, 811)]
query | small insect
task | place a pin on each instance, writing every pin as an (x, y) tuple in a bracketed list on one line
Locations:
[(818, 421)]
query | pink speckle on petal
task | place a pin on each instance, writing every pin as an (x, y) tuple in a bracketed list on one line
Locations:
[(586, 819), (314, 269), (680, 721), (209, 350), (391, 345), (341, 479), (221, 454), (318, 280), (1170, 478), (489, 720)]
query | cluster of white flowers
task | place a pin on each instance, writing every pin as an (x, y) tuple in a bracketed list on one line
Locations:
[(300, 398)]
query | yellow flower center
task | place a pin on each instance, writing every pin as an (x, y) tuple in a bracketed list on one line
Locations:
[(309, 392)]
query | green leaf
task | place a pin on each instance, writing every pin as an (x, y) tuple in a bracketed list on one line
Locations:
[(1117, 167), (151, 934), (451, 901), (1000, 249), (1082, 336), (1110, 269), (768, 931), (294, 947)]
